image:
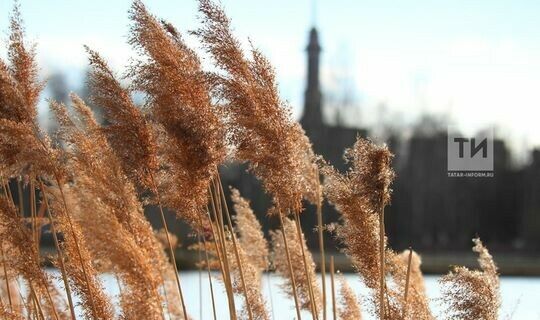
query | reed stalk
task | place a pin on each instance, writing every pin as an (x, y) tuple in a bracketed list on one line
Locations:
[(76, 242), (7, 191), (408, 277), (56, 175), (36, 301), (270, 295), (10, 198), (321, 247), (289, 264), (6, 278), (21, 198), (33, 216), (221, 250), (199, 272), (381, 254), (23, 301), (165, 296), (169, 245), (313, 303), (235, 247), (207, 260), (333, 287), (60, 254)]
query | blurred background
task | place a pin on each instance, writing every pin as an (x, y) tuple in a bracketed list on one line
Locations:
[(395, 72)]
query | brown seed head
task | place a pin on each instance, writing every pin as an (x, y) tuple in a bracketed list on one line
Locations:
[(259, 123), (179, 101), (127, 130)]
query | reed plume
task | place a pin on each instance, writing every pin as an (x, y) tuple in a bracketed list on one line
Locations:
[(180, 104), (300, 276), (251, 236), (252, 276), (7, 314), (79, 268), (259, 123), (23, 258), (139, 296), (132, 139), (102, 188), (127, 130), (25, 149), (361, 195), (472, 294), (22, 95), (23, 146), (131, 146), (349, 308), (357, 196), (417, 304), (90, 154)]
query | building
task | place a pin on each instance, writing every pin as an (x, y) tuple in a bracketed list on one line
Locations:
[(429, 210)]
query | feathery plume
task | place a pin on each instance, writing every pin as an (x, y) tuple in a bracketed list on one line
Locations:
[(132, 139), (79, 268), (139, 296), (358, 195), (22, 95), (300, 276), (23, 146), (251, 275), (349, 308), (361, 195), (127, 130), (101, 186), (486, 262), (90, 154), (259, 123), (181, 105), (251, 236), (9, 315), (416, 276), (23, 256), (472, 294), (417, 301)]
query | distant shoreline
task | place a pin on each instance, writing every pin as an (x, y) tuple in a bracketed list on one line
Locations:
[(432, 263)]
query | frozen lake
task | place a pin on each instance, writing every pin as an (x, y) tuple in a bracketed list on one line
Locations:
[(520, 295)]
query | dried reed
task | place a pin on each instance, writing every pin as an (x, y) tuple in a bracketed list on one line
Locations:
[(349, 308), (251, 236), (471, 294), (300, 276), (93, 183), (132, 140), (181, 106), (258, 122), (22, 257), (360, 195)]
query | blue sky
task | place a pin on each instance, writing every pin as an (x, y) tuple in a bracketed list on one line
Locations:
[(476, 63)]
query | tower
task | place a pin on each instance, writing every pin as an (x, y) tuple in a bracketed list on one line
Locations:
[(312, 118)]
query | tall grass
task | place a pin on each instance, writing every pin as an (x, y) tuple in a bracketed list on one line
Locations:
[(90, 187)]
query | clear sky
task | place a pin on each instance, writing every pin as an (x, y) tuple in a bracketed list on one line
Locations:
[(476, 63)]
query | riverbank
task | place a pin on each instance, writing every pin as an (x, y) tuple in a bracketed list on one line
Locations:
[(432, 263)]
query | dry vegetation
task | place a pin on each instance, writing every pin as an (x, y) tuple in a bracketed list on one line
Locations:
[(91, 185)]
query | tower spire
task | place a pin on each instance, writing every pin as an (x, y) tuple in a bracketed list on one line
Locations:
[(312, 118)]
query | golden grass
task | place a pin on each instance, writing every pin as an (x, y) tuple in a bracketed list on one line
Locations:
[(95, 180)]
